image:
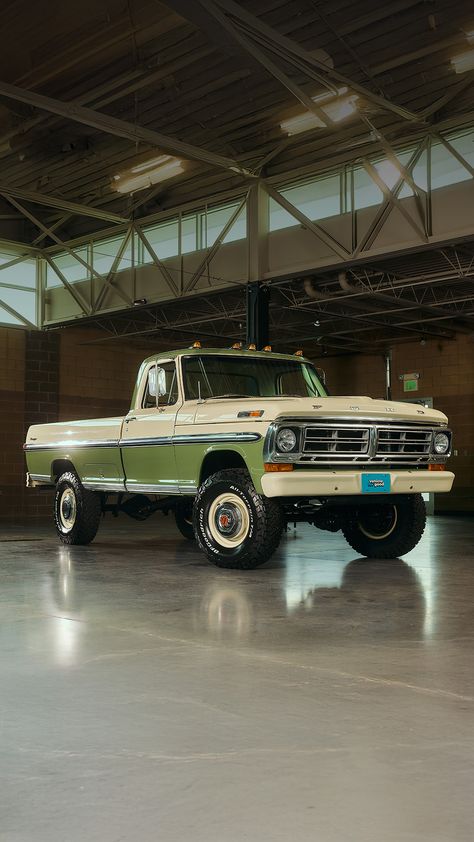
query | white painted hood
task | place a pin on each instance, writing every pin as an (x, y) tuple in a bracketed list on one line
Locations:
[(218, 411)]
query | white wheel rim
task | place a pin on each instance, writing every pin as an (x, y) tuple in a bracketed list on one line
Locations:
[(67, 510), (228, 520), (378, 536)]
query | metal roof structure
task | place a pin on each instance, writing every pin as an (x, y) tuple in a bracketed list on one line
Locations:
[(89, 89)]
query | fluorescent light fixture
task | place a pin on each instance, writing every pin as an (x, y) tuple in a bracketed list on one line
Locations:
[(151, 165), (337, 109), (147, 173), (463, 62)]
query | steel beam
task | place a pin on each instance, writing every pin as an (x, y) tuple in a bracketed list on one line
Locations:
[(60, 204), (120, 128), (316, 229), (278, 43), (248, 46)]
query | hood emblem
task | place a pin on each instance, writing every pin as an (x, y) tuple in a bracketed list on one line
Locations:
[(317, 406), (389, 409), (420, 411), (354, 407)]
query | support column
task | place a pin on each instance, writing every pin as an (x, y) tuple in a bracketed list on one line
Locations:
[(258, 300), (258, 295), (257, 232)]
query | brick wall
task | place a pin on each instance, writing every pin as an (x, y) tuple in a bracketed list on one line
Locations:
[(446, 374), (53, 376), (12, 373)]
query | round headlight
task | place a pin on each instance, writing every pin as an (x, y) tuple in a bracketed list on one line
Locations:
[(286, 440), (441, 443)]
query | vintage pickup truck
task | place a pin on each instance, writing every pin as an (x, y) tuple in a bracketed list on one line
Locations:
[(239, 443)]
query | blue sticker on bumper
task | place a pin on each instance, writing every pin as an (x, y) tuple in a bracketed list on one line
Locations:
[(375, 483)]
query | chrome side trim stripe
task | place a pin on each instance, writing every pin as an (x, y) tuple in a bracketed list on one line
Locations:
[(197, 438), (206, 438), (98, 485), (41, 478), (152, 488), (71, 444)]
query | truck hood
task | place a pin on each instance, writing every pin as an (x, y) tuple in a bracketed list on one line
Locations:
[(219, 411)]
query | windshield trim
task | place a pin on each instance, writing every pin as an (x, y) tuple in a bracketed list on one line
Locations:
[(280, 358)]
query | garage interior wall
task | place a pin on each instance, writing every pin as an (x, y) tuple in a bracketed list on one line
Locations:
[(60, 375)]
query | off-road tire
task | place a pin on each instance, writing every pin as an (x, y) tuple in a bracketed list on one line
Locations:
[(87, 511), (262, 515), (183, 515), (410, 520)]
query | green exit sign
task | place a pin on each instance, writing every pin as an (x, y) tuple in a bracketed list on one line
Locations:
[(410, 385)]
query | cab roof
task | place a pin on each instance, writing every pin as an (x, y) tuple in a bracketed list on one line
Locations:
[(232, 352)]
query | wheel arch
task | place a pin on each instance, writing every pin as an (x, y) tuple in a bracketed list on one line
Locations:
[(220, 459), (60, 466)]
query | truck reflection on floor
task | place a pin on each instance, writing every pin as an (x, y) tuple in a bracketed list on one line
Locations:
[(304, 600), (367, 598)]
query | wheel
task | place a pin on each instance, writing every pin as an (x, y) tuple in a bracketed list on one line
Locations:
[(234, 526), (183, 515), (386, 530), (76, 511)]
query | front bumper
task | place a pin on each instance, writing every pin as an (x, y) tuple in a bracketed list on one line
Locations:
[(306, 483)]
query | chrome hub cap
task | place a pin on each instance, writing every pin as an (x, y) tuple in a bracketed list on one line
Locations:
[(228, 520), (67, 510)]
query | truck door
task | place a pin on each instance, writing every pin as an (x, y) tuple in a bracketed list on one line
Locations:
[(146, 443)]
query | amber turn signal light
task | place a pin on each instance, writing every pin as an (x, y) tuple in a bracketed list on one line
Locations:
[(299, 353), (274, 467), (196, 344), (436, 467)]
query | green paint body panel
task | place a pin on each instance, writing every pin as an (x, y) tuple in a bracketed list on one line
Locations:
[(165, 465)]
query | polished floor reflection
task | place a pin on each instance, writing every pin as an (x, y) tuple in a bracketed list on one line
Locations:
[(148, 696)]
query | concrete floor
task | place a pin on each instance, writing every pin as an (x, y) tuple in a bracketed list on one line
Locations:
[(146, 695)]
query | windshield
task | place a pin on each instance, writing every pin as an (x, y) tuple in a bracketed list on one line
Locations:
[(210, 376)]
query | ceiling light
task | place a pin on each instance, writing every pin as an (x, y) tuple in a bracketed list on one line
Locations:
[(147, 173), (470, 36), (151, 164), (337, 109), (463, 62)]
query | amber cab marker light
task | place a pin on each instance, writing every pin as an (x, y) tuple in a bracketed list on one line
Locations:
[(196, 344), (299, 353), (436, 467), (251, 347), (274, 467), (237, 346), (267, 348)]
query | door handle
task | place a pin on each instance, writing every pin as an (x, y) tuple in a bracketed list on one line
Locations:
[(132, 418)]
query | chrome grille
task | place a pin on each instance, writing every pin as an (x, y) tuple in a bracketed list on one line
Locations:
[(403, 442), (370, 443), (336, 440)]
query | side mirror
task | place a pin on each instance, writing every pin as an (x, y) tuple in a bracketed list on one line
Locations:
[(161, 382), (156, 382)]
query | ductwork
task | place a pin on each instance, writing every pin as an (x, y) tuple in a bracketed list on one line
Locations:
[(310, 290), (345, 284)]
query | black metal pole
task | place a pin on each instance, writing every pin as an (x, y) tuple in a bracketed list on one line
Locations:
[(258, 302)]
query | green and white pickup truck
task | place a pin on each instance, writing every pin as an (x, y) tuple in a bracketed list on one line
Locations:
[(239, 443)]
